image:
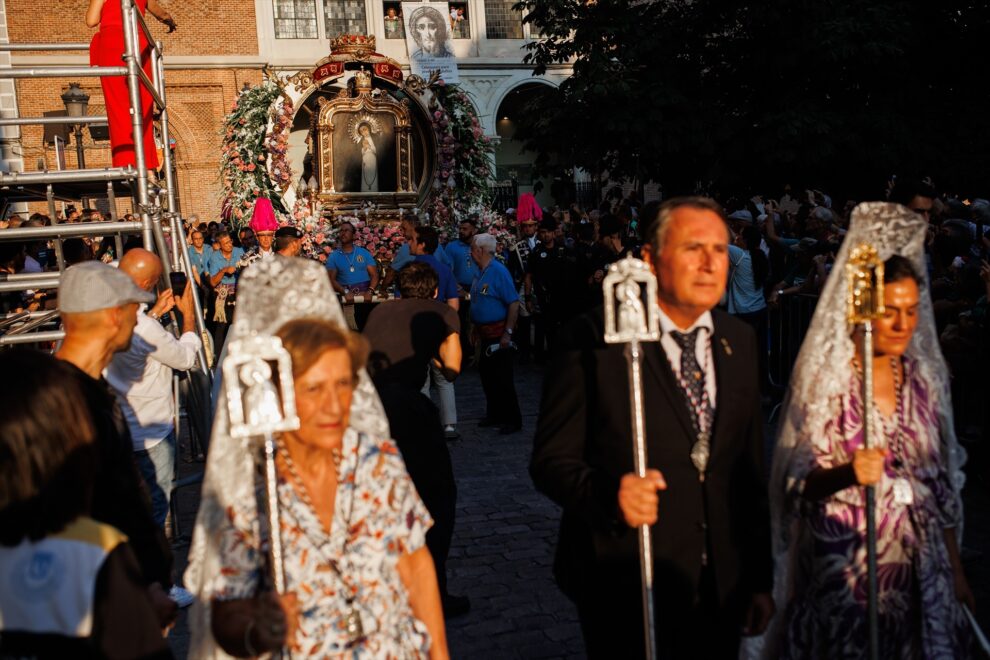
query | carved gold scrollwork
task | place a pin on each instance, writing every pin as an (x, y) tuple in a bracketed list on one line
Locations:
[(368, 105), (302, 80)]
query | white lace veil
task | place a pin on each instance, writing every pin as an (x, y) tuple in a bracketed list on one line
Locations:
[(823, 372), (270, 293)]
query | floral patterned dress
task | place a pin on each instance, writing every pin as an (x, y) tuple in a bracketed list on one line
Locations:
[(919, 615), (378, 517)]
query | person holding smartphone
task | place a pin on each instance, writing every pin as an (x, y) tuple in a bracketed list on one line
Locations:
[(141, 377)]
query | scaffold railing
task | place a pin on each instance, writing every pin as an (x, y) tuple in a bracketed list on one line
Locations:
[(155, 205)]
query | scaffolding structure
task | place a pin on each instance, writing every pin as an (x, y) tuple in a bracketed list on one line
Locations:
[(155, 205)]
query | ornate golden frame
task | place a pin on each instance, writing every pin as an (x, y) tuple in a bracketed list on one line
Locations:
[(378, 102)]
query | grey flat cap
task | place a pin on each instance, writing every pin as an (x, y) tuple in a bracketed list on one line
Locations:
[(93, 285)]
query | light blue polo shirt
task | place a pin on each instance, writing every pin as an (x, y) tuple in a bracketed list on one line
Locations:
[(352, 268), (491, 294), (457, 254), (218, 263), (200, 262)]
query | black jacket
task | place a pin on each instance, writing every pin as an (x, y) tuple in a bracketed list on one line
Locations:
[(584, 445)]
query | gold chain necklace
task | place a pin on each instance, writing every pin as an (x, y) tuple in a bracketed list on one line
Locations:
[(335, 456)]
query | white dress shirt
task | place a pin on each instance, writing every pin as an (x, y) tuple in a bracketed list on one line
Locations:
[(703, 348), (141, 377)]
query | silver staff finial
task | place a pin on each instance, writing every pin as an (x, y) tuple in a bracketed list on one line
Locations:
[(629, 315), (252, 398)]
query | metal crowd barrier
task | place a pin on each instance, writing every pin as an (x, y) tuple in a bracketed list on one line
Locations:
[(789, 323)]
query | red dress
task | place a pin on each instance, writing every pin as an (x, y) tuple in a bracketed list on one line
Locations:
[(107, 49)]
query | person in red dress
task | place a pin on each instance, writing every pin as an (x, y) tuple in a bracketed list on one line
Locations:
[(107, 49)]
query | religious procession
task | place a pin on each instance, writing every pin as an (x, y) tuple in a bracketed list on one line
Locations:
[(493, 329)]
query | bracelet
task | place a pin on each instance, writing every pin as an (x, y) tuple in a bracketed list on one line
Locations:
[(153, 316), (248, 646)]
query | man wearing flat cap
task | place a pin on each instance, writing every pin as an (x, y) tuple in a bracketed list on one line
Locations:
[(99, 306)]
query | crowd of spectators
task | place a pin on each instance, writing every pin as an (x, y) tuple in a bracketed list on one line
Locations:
[(782, 247)]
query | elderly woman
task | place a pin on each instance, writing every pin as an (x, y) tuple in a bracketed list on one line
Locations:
[(821, 465), (359, 578)]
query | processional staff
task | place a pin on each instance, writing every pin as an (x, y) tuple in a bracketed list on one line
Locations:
[(630, 319), (258, 413), (865, 304)]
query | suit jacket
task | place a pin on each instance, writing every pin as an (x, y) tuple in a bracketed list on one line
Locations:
[(584, 445)]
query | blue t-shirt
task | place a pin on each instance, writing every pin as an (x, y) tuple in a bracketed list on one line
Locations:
[(201, 262), (218, 263), (352, 268), (446, 287), (491, 294), (458, 256), (402, 258)]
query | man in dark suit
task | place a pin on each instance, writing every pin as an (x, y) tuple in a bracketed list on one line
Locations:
[(710, 526)]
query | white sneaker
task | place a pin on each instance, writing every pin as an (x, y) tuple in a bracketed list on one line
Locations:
[(182, 596)]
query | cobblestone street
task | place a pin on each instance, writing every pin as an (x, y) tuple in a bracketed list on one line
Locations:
[(504, 538)]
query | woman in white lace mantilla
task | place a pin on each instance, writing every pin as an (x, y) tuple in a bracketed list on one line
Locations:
[(820, 466), (359, 578)]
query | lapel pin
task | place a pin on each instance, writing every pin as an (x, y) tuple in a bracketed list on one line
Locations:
[(725, 345)]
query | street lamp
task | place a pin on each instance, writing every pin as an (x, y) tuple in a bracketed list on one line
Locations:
[(76, 103)]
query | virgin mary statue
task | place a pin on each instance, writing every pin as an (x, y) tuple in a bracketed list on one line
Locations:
[(369, 156)]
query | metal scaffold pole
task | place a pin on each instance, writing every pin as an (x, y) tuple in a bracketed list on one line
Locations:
[(147, 196)]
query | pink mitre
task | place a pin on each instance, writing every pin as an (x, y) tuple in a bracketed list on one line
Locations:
[(263, 217), (528, 210)]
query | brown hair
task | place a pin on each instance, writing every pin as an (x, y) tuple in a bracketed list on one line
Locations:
[(47, 456), (418, 280), (309, 338)]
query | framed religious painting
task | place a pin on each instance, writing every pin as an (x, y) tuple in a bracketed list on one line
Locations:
[(364, 148)]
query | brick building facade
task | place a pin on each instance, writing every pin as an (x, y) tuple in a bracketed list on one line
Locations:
[(203, 78), (220, 46)]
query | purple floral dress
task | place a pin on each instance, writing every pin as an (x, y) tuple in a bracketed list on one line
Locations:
[(919, 615)]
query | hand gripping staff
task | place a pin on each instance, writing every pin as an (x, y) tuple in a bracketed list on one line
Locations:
[(630, 319), (864, 305), (257, 412)]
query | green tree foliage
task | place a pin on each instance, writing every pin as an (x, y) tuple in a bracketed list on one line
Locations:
[(832, 93)]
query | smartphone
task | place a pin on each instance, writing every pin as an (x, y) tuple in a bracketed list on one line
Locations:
[(179, 282)]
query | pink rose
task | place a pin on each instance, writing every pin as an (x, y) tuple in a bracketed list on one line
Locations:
[(251, 167)]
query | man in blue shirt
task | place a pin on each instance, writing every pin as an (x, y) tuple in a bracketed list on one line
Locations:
[(223, 266), (422, 246), (352, 270), (403, 256), (494, 310), (457, 255)]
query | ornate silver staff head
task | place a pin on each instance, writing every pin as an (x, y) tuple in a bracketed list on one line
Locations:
[(631, 312), (253, 400)]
